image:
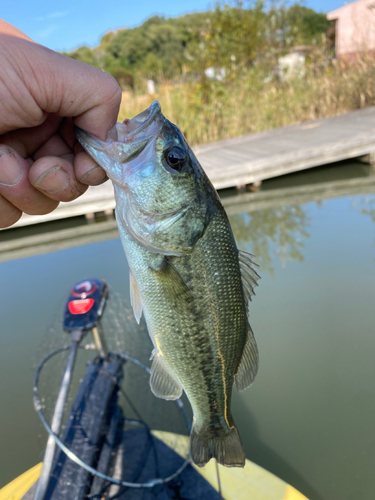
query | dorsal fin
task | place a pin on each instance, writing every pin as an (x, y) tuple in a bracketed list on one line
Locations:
[(163, 384), (249, 364), (135, 297), (248, 274)]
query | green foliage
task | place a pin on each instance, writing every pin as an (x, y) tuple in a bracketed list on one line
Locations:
[(231, 36), (155, 48), (84, 54), (123, 76), (211, 110), (234, 35), (307, 24)]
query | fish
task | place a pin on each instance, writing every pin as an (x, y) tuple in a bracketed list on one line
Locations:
[(187, 276)]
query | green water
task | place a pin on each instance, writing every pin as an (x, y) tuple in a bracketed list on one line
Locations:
[(309, 417)]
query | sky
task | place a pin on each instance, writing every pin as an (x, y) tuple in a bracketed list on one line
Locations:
[(67, 25)]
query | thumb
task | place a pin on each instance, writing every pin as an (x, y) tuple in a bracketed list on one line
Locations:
[(61, 85)]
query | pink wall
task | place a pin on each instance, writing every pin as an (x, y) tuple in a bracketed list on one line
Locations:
[(355, 27)]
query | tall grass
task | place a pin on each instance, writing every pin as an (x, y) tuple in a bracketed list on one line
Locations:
[(249, 102)]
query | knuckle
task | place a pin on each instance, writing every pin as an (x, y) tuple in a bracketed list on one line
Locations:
[(47, 207)]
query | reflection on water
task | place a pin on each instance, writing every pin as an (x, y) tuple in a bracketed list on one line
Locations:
[(309, 415), (281, 232), (367, 207), (276, 232)]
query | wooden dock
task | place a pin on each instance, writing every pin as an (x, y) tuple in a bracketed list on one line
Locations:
[(334, 182), (256, 157)]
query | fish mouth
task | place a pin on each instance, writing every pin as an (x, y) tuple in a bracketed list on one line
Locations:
[(124, 140), (139, 123)]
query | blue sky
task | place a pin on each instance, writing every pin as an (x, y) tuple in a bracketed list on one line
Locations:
[(69, 24)]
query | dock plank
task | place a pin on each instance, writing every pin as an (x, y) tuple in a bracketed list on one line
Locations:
[(281, 151), (256, 157)]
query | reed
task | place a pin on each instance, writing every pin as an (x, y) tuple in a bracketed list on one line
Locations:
[(252, 101)]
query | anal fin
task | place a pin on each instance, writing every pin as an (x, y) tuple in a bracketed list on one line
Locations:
[(135, 297), (163, 384), (249, 363)]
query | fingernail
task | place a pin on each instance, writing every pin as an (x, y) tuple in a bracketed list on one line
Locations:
[(52, 181), (11, 172), (95, 170)]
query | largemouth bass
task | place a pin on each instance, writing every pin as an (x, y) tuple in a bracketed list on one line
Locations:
[(186, 275)]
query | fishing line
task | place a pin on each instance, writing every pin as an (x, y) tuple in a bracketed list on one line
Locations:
[(218, 480), (150, 443), (72, 456), (148, 430)]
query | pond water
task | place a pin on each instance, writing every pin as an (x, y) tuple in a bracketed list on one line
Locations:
[(309, 416)]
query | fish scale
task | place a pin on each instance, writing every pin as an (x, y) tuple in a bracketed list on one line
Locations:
[(186, 275), (193, 340)]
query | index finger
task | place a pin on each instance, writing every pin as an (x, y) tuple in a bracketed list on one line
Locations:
[(89, 95)]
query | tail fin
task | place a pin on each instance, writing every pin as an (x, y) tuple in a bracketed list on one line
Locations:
[(223, 445)]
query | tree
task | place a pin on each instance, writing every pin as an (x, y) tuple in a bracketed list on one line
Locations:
[(233, 36)]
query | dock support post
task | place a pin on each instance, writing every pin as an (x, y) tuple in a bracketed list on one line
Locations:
[(369, 158)]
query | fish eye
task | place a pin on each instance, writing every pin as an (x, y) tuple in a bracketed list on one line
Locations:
[(175, 158)]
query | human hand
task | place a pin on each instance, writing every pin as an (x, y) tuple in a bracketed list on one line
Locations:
[(43, 94)]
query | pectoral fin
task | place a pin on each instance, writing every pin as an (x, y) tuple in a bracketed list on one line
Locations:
[(135, 297), (249, 363), (163, 384)]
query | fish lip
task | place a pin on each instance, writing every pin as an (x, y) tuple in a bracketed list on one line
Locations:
[(88, 140), (153, 110)]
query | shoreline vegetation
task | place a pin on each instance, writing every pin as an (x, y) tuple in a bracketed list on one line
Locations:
[(224, 110), (240, 43)]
